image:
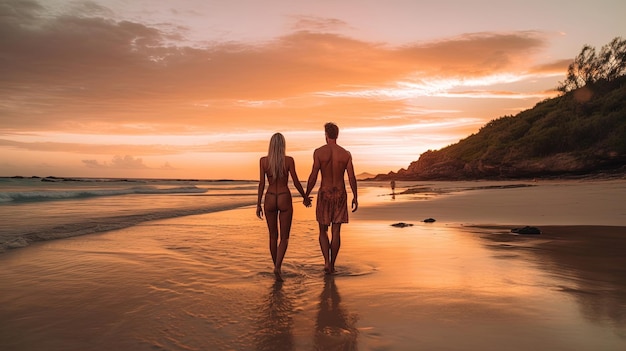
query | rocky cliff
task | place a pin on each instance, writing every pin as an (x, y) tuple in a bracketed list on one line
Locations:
[(580, 133)]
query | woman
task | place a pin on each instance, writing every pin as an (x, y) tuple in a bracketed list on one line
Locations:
[(277, 167)]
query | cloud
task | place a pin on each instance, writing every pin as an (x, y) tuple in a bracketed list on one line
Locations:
[(14, 11), (171, 146), (495, 94), (318, 24), (118, 162), (91, 149), (127, 162), (476, 54), (108, 59), (82, 70), (94, 164), (82, 8), (558, 67), (167, 167)]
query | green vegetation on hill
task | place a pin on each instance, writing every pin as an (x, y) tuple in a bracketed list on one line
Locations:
[(582, 132)]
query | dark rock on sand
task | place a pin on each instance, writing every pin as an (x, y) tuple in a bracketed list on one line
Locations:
[(429, 220), (526, 230), (402, 225)]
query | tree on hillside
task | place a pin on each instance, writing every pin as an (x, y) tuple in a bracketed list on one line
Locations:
[(613, 58), (589, 67)]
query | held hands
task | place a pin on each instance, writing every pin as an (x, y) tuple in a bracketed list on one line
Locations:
[(307, 201)]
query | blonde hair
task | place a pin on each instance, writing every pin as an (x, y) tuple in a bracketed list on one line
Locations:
[(276, 156)]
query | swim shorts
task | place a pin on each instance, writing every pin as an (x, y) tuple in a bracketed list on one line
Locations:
[(332, 206)]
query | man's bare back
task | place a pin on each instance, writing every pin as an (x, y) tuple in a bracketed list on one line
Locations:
[(332, 161)]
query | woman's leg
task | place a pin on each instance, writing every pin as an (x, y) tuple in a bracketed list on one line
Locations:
[(271, 217), (285, 217)]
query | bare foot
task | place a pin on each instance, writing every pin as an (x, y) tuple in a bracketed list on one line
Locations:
[(278, 275), (327, 270)]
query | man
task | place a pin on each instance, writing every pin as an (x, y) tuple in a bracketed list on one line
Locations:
[(333, 162)]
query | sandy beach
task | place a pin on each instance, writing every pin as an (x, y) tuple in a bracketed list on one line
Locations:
[(463, 282)]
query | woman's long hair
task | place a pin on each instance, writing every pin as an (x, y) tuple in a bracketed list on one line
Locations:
[(276, 156)]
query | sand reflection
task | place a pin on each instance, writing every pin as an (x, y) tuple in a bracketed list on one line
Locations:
[(584, 262), (334, 328), (275, 328)]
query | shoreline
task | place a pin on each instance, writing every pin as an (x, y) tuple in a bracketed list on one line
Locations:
[(509, 204), (205, 281)]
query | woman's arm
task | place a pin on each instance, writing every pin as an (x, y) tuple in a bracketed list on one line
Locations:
[(296, 182), (259, 209)]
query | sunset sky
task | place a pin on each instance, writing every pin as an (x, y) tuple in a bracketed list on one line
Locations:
[(196, 88)]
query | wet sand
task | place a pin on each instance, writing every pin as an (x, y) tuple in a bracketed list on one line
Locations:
[(464, 282)]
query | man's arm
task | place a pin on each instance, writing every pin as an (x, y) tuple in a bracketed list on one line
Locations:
[(352, 180), (313, 176)]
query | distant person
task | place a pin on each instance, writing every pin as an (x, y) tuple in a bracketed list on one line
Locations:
[(333, 162), (277, 167), (393, 186)]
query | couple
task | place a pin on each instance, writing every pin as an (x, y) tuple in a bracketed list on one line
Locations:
[(332, 205)]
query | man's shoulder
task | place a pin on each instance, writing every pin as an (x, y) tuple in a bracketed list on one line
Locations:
[(321, 149), (332, 149), (342, 150)]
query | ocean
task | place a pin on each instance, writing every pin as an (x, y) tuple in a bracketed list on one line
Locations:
[(36, 209)]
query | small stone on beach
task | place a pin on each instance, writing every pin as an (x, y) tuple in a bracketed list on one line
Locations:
[(401, 225)]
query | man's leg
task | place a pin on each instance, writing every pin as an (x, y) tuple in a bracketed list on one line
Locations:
[(325, 247), (335, 244)]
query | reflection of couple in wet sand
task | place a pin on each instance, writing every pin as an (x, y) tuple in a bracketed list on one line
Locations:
[(333, 162), (275, 330), (335, 328)]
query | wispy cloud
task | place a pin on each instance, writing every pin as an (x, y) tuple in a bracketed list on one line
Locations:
[(82, 70), (87, 80), (317, 24), (118, 162)]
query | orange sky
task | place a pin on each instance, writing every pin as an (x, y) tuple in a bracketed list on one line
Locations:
[(195, 88)]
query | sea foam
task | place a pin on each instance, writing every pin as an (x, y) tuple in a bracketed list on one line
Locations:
[(51, 195)]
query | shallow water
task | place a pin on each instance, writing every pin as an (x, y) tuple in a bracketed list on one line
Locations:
[(204, 282), (33, 210)]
